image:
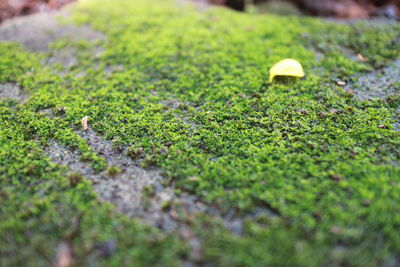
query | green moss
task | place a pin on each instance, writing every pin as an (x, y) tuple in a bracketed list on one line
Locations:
[(41, 207), (190, 93), (113, 170)]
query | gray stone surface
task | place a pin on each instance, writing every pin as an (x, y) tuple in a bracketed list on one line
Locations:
[(12, 91), (126, 189), (36, 32), (377, 84)]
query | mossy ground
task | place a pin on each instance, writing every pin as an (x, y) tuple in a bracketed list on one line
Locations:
[(326, 163)]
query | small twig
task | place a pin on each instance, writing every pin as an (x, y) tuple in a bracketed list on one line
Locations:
[(85, 123)]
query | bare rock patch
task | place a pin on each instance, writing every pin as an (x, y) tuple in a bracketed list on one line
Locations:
[(142, 193), (12, 91), (136, 192), (377, 84), (36, 32)]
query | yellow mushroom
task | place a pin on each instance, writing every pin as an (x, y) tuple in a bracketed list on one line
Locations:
[(286, 67)]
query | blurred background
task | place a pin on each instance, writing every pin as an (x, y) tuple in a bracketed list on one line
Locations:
[(331, 8)]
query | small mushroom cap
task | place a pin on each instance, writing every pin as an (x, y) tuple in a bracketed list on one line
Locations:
[(286, 67)]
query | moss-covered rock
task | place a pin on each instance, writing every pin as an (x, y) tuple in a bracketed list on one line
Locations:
[(188, 88)]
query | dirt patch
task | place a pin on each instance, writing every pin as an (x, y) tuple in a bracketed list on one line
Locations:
[(377, 84), (12, 91)]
